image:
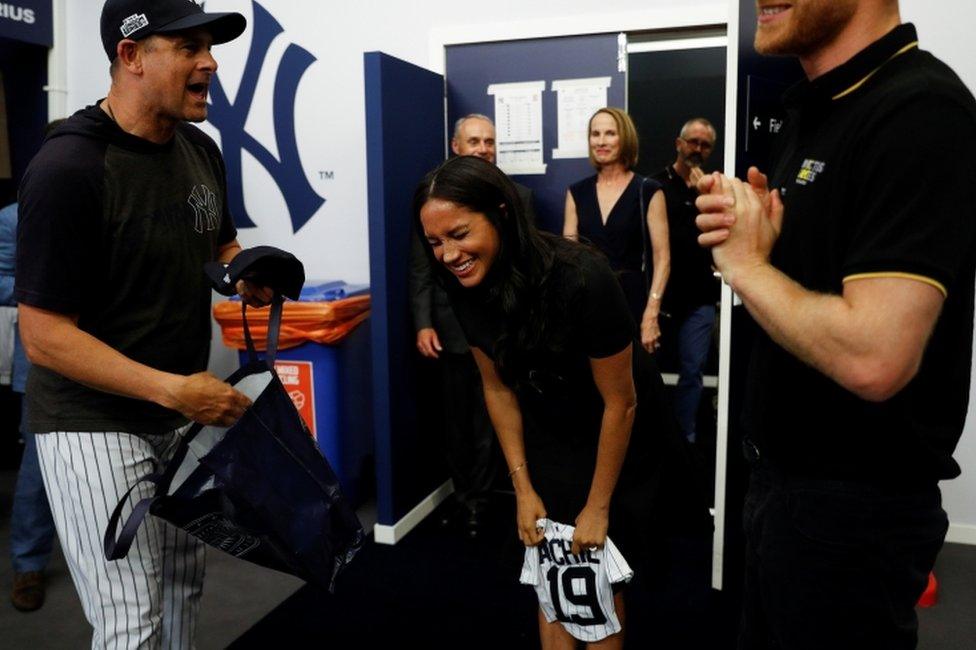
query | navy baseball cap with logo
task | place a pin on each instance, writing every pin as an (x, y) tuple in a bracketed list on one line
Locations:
[(137, 19)]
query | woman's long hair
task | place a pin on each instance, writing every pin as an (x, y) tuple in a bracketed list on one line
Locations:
[(517, 284)]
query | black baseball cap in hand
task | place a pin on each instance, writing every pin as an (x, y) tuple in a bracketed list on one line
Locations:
[(137, 19)]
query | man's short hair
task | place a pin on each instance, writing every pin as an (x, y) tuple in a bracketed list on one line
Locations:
[(629, 144), (698, 120), (469, 116)]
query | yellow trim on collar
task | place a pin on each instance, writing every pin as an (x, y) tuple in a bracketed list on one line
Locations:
[(863, 81), (895, 274)]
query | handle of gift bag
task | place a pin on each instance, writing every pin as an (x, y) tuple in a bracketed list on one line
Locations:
[(117, 548), (274, 331)]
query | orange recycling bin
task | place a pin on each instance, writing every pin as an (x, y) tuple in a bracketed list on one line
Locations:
[(324, 362), (318, 322)]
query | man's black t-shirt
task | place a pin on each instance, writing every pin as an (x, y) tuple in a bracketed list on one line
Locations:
[(871, 165), (691, 282), (116, 230)]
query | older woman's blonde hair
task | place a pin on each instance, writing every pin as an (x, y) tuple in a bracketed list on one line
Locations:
[(628, 136)]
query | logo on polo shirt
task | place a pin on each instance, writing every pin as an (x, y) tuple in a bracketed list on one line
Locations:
[(133, 23), (809, 171)]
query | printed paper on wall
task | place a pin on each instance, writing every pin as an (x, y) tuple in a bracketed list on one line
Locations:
[(518, 127), (576, 101)]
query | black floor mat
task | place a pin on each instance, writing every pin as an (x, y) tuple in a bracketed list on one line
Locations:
[(439, 589)]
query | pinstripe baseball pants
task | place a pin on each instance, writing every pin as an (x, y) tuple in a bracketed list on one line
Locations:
[(150, 598)]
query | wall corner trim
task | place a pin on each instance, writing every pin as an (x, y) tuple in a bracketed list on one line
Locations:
[(383, 534), (961, 534)]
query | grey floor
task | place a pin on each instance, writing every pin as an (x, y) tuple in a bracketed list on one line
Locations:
[(951, 624), (238, 594)]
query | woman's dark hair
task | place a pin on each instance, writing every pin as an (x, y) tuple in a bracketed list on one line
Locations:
[(517, 282)]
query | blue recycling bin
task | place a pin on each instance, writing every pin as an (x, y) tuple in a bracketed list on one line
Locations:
[(330, 386)]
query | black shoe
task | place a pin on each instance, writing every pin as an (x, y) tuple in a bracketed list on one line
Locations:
[(449, 514), (474, 521), (28, 592)]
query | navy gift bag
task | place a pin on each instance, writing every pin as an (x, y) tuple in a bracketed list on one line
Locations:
[(260, 490)]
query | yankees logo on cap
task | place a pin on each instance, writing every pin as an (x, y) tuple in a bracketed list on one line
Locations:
[(137, 19)]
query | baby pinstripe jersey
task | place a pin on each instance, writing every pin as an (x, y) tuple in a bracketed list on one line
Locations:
[(575, 589)]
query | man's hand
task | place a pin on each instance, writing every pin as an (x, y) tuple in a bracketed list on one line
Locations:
[(739, 224), (429, 343), (760, 183), (205, 399), (254, 295), (695, 175), (714, 201)]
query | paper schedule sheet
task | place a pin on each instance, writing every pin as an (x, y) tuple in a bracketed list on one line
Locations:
[(577, 100), (518, 126)]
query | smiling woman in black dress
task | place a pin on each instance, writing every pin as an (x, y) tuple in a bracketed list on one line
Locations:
[(577, 406)]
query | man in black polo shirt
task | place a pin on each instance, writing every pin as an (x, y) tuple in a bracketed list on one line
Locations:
[(692, 287), (859, 267)]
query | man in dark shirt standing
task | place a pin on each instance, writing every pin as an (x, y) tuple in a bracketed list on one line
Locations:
[(859, 266), (693, 289), (119, 211)]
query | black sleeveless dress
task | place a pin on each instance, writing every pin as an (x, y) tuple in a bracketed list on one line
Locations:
[(623, 239)]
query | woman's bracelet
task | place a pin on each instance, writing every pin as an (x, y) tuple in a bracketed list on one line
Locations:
[(512, 473)]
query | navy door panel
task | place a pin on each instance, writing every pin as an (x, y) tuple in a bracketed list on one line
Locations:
[(404, 140), (472, 68)]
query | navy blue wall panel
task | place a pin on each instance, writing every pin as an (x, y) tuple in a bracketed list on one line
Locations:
[(472, 68), (24, 70), (404, 140), (28, 21)]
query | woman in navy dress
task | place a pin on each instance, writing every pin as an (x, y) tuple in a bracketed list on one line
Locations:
[(577, 406), (610, 210)]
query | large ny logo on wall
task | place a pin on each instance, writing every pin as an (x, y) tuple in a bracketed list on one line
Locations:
[(230, 118)]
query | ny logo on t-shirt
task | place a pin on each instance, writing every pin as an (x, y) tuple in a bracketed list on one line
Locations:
[(204, 204)]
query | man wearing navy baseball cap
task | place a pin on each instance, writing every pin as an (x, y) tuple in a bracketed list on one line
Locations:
[(137, 19), (119, 212)]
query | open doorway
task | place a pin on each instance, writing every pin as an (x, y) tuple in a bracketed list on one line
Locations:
[(674, 76)]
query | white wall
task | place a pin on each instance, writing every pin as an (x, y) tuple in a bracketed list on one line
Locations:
[(329, 113), (331, 120), (330, 117)]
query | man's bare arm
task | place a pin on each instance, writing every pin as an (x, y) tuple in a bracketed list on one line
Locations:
[(54, 341), (870, 339)]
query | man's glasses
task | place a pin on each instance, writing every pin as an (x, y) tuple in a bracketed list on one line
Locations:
[(704, 145)]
